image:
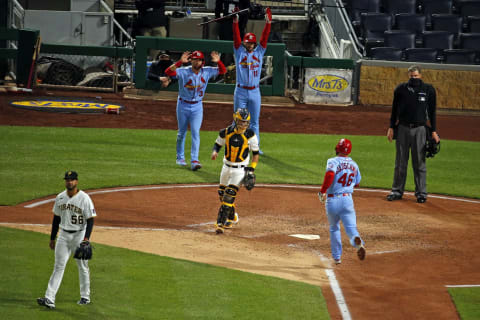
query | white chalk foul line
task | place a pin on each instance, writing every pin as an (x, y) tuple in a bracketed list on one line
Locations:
[(39, 203), (463, 286), (337, 291)]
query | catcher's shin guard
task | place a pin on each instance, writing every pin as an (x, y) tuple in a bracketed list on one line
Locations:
[(230, 194), (221, 191), (223, 213)]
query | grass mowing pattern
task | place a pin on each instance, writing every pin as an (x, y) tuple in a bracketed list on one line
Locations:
[(33, 160), (467, 301), (129, 284)]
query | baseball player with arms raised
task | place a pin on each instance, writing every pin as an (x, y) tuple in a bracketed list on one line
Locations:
[(192, 83), (249, 60), (238, 140), (341, 177), (73, 213)]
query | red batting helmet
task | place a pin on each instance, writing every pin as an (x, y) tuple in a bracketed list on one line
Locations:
[(343, 146), (197, 55), (250, 37)]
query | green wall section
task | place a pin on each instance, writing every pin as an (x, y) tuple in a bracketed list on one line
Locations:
[(276, 50), (26, 45), (27, 38)]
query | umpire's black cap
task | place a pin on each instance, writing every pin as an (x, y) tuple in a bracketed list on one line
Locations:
[(71, 175)]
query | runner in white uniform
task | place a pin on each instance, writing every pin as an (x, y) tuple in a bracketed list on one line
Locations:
[(73, 213)]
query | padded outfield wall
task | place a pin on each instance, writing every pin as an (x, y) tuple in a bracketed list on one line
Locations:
[(458, 86)]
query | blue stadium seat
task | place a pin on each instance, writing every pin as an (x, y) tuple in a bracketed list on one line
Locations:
[(437, 39), (473, 23), (356, 7), (471, 41), (386, 53), (400, 6), (448, 22), (412, 22), (421, 55), (373, 25), (468, 7), (440, 40), (399, 39), (429, 7), (459, 56)]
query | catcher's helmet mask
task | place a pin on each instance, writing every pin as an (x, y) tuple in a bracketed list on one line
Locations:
[(241, 117), (344, 146)]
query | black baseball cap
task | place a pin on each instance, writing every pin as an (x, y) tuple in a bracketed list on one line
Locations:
[(71, 175)]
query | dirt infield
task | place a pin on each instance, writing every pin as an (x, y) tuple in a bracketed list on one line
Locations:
[(413, 250)]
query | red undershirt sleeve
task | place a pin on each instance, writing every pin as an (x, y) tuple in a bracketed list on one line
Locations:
[(327, 181)]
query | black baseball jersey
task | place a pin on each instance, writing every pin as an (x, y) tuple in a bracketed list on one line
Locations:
[(237, 145)]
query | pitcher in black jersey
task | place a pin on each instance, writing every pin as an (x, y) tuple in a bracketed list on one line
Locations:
[(238, 140)]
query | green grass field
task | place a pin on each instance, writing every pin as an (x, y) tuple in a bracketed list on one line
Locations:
[(467, 301), (140, 286), (33, 160), (133, 285)]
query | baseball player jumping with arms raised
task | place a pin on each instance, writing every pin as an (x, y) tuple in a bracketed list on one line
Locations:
[(238, 140), (249, 60), (73, 213), (341, 177), (192, 83)]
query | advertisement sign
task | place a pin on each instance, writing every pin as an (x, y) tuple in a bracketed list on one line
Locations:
[(68, 106), (328, 86)]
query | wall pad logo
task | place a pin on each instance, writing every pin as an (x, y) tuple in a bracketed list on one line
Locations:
[(328, 83)]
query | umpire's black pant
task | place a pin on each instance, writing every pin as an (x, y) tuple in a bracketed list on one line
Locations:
[(414, 139)]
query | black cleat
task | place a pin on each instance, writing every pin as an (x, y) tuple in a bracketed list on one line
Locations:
[(83, 301), (46, 302), (393, 197)]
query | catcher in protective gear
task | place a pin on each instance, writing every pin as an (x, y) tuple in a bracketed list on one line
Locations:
[(237, 169), (84, 251)]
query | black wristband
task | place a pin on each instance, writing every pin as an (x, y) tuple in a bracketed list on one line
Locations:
[(217, 147)]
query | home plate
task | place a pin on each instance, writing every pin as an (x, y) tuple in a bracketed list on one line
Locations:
[(306, 236)]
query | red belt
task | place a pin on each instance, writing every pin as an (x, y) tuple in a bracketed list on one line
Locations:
[(191, 102), (338, 195), (248, 88)]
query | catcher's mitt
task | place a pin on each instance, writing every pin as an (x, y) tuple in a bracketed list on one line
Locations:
[(249, 179), (84, 251)]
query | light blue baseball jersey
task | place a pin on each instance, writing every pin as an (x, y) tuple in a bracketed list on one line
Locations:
[(192, 86), (347, 175), (249, 65)]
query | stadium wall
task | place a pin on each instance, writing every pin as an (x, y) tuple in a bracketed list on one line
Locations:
[(458, 86)]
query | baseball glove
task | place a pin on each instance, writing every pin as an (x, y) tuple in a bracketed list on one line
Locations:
[(249, 179), (84, 251)]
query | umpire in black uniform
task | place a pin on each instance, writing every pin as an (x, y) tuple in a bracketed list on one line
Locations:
[(414, 103)]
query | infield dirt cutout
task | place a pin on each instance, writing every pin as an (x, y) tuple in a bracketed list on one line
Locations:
[(413, 250)]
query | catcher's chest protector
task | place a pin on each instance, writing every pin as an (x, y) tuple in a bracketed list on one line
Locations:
[(236, 145)]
